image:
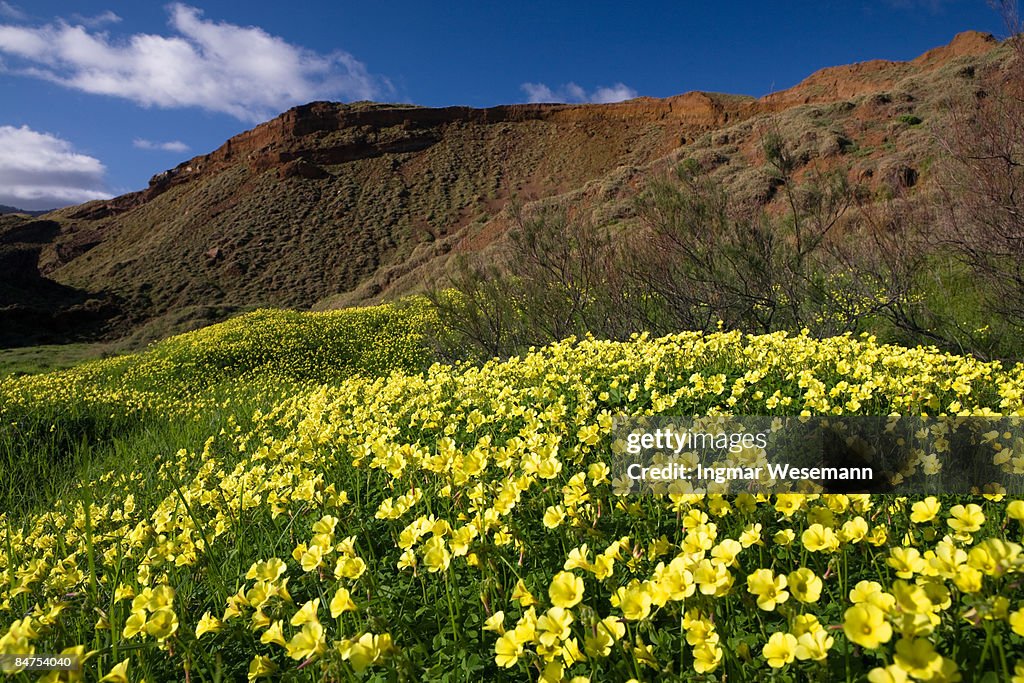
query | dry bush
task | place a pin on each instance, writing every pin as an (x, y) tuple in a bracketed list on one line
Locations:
[(982, 181), (558, 277), (819, 265)]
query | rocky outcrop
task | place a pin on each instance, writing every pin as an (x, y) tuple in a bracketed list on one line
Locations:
[(325, 133), (966, 44), (854, 80)]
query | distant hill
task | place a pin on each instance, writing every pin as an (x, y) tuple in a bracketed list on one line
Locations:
[(336, 204), (4, 209)]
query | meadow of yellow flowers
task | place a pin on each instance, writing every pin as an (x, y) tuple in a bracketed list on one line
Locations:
[(298, 497)]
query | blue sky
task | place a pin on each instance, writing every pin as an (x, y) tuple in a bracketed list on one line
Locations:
[(100, 95)]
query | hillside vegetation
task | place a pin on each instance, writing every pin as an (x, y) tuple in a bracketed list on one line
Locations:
[(187, 384)]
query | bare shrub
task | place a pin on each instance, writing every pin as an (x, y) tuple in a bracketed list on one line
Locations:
[(710, 258), (557, 277), (982, 180)]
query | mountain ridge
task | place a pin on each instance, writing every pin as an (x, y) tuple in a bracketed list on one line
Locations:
[(697, 108), (5, 209)]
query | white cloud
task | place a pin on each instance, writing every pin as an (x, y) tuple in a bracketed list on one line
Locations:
[(101, 19), (614, 93), (42, 171), (9, 11), (570, 92), (538, 92), (171, 146), (242, 71)]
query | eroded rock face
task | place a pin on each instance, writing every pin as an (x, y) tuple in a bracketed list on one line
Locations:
[(325, 133), (343, 189), (966, 44), (853, 80)]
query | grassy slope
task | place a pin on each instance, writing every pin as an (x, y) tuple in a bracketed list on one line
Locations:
[(165, 397), (33, 360)]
